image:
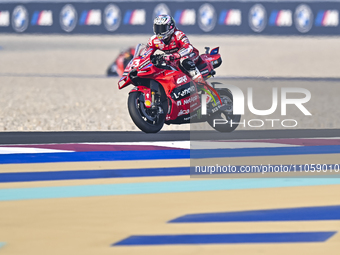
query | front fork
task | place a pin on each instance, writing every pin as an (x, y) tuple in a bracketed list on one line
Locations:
[(151, 98), (146, 93)]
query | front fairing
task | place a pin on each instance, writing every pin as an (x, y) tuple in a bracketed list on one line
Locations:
[(141, 56), (143, 68)]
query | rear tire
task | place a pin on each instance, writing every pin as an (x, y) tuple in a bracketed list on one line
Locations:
[(225, 95), (142, 117)]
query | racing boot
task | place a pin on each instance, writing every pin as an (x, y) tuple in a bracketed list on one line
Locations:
[(196, 76)]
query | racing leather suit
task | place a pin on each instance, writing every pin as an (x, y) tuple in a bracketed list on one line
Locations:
[(179, 43)]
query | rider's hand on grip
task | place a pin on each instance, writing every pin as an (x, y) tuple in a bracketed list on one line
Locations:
[(157, 59), (171, 57), (168, 57)]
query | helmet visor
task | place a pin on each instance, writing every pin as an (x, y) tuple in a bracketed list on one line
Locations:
[(160, 29)]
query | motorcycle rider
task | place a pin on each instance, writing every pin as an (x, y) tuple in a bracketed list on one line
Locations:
[(175, 44)]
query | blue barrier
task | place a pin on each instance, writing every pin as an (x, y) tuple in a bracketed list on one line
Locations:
[(193, 17)]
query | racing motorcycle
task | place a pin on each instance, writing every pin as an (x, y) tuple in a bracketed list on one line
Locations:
[(164, 93), (119, 64)]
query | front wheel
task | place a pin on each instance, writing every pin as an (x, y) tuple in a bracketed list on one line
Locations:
[(221, 120), (146, 119)]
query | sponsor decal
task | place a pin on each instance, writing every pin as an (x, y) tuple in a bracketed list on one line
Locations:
[(160, 46), (303, 18), (135, 17), (20, 18), (159, 73), (209, 58), (91, 18), (144, 64), (190, 100), (215, 109), (42, 18), (329, 18), (185, 17), (122, 81), (171, 51), (183, 112), (184, 39), (204, 71), (193, 106), (161, 9), (112, 17), (162, 20), (206, 17), (179, 103), (282, 18), (182, 91), (4, 18), (68, 18), (190, 117), (182, 79), (257, 18), (232, 17), (147, 53), (179, 35)]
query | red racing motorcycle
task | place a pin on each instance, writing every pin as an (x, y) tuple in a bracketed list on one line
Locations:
[(123, 59), (164, 93)]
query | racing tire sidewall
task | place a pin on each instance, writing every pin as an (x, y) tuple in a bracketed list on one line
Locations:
[(137, 118)]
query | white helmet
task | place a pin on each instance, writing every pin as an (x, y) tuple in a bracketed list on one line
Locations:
[(164, 27)]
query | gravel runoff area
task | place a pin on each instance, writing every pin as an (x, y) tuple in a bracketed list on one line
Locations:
[(58, 82)]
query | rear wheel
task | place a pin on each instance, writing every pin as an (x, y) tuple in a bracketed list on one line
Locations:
[(224, 117), (146, 119)]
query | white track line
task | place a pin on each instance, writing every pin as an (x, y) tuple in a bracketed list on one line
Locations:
[(20, 150)]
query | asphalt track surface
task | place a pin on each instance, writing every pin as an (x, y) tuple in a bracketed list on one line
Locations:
[(71, 201), (137, 136)]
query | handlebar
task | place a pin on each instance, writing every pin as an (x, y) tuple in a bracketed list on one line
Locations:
[(157, 60)]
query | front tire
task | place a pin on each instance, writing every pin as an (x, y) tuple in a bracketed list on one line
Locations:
[(227, 115), (143, 117)]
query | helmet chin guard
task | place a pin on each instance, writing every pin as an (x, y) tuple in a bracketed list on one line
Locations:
[(164, 27)]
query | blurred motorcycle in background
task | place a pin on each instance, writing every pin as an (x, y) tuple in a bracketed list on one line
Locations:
[(119, 64)]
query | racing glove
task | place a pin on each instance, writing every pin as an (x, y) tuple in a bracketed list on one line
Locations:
[(171, 57)]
